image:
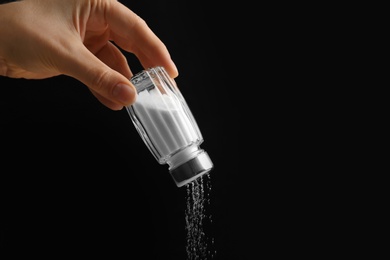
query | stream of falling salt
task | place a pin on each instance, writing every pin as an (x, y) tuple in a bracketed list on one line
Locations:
[(199, 244)]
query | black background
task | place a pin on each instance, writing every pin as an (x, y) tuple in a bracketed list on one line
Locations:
[(77, 179)]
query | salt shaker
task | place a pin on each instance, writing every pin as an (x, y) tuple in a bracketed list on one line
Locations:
[(167, 126)]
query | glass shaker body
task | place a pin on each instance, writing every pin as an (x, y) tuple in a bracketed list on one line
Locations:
[(167, 126)]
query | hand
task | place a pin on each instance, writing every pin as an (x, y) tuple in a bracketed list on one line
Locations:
[(45, 38)]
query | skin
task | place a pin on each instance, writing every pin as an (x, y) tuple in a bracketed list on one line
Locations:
[(45, 38)]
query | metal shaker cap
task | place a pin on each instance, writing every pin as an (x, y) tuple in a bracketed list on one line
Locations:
[(192, 169)]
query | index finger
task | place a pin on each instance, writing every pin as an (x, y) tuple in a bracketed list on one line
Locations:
[(131, 33)]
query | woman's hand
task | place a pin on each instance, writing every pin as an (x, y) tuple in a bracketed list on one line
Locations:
[(45, 38)]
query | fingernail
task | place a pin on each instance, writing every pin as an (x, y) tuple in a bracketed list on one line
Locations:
[(124, 94)]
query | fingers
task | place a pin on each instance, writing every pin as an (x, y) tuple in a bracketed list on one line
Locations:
[(131, 33), (109, 86), (106, 72), (115, 59)]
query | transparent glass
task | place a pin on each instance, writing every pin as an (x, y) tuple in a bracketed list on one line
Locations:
[(167, 126)]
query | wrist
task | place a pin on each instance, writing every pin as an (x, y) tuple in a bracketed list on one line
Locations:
[(3, 68), (5, 35)]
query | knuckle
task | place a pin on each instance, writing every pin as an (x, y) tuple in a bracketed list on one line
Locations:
[(99, 80)]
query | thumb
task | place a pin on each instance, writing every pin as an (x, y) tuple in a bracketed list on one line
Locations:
[(110, 87)]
